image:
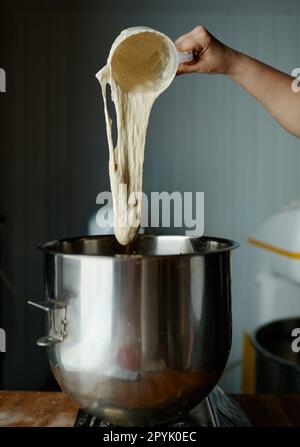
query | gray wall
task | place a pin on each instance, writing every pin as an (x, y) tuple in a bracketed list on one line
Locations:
[(205, 134)]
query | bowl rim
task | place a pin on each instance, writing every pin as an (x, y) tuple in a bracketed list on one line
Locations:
[(48, 247)]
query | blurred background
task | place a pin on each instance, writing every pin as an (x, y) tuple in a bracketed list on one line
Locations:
[(205, 134)]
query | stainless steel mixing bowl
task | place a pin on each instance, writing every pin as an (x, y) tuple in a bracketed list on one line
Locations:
[(139, 334)]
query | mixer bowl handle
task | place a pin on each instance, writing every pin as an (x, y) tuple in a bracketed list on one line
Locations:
[(57, 322)]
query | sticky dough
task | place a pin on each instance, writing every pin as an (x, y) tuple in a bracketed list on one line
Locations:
[(139, 67)]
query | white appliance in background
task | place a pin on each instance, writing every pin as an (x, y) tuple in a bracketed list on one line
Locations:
[(274, 268)]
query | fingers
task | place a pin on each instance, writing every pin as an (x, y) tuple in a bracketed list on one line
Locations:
[(195, 41), (191, 66), (185, 43)]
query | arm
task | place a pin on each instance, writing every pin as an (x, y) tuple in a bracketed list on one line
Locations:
[(272, 88)]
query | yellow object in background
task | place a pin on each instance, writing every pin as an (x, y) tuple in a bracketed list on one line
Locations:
[(248, 367)]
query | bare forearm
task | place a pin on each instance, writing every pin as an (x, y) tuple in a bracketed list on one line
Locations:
[(271, 87)]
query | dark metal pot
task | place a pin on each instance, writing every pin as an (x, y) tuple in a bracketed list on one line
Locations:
[(277, 365), (137, 334)]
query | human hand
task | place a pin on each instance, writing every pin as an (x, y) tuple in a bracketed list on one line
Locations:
[(210, 55)]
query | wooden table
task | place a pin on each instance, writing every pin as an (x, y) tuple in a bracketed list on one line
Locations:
[(271, 410), (55, 409), (36, 409)]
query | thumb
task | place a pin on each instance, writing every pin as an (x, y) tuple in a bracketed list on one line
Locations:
[(186, 67)]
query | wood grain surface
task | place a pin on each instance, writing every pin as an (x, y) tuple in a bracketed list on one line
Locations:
[(55, 409), (36, 409), (271, 410)]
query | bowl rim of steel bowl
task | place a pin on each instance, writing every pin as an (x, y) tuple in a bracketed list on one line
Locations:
[(268, 354), (226, 245)]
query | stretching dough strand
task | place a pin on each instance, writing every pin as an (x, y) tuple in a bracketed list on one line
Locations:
[(139, 67)]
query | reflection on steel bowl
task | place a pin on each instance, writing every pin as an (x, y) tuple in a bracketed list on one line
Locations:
[(137, 334)]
